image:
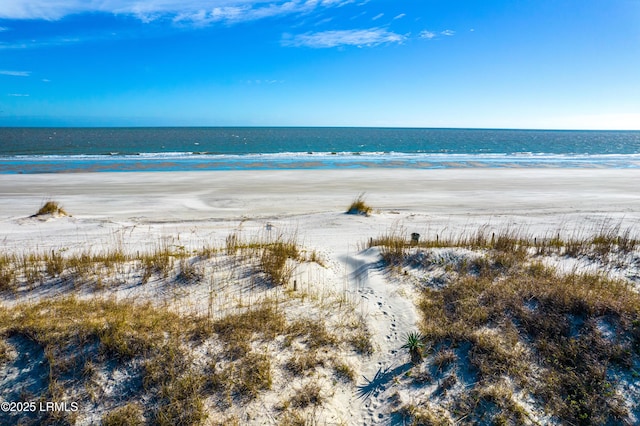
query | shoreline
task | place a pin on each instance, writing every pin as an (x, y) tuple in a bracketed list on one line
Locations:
[(189, 161)]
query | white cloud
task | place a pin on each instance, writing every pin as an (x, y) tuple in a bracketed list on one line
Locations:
[(259, 82), (18, 95), (378, 16), (427, 34), (198, 11), (59, 41), (327, 39), (16, 73), (324, 21), (402, 15), (242, 11)]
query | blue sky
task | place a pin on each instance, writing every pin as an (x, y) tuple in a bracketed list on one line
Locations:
[(562, 64)]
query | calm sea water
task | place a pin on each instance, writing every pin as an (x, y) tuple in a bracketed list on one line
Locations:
[(59, 150)]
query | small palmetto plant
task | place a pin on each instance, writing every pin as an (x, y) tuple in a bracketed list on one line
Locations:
[(415, 345)]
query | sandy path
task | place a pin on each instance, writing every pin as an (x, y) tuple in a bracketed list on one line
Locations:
[(389, 316)]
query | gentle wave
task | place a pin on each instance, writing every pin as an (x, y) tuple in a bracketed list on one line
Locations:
[(315, 155), (189, 161), (187, 142)]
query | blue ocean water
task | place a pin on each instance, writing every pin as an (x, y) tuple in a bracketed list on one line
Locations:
[(62, 150)]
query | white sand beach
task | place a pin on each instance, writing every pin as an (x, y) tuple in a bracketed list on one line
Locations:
[(439, 198), (207, 206), (193, 209)]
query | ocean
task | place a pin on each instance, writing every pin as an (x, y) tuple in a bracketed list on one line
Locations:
[(66, 150)]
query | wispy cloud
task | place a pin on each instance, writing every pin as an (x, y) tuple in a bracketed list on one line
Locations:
[(378, 16), (259, 82), (18, 95), (64, 40), (15, 73), (198, 11), (241, 13), (402, 15), (327, 39), (427, 34), (3, 29), (323, 21)]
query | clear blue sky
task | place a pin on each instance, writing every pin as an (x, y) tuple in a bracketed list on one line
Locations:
[(565, 64)]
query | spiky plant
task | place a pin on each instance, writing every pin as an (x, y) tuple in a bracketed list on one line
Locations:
[(415, 345)]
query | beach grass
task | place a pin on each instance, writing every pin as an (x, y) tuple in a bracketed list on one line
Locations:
[(130, 414), (359, 206), (158, 348), (274, 258), (505, 335), (82, 340), (606, 242), (52, 208), (504, 323), (78, 337)]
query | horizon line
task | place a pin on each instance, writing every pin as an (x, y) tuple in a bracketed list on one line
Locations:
[(312, 127)]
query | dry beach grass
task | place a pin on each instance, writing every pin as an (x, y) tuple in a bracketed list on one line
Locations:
[(171, 362), (501, 326)]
